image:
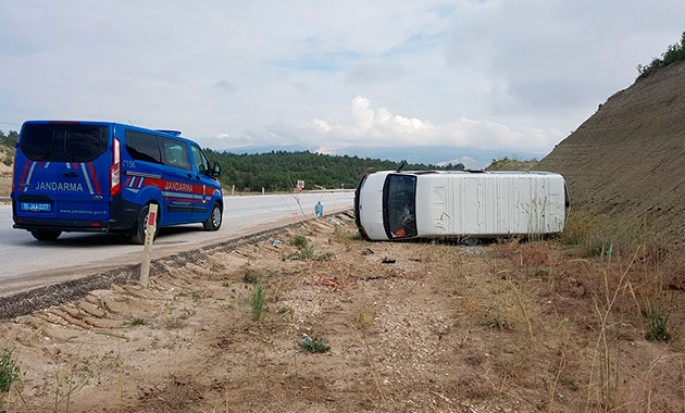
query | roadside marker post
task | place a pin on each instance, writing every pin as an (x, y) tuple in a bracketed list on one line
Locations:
[(149, 239)]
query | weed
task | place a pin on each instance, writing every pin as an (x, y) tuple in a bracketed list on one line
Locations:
[(364, 320), (300, 241), (346, 232), (658, 324), (519, 301), (196, 296), (137, 321), (9, 370), (581, 226), (252, 276), (314, 345), (112, 334), (68, 383), (328, 256), (307, 252), (174, 324), (286, 310), (178, 395), (499, 321), (257, 302)]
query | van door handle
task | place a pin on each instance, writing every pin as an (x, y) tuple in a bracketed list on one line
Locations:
[(71, 174)]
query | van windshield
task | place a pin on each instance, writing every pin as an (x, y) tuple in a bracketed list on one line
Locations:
[(57, 142), (399, 207)]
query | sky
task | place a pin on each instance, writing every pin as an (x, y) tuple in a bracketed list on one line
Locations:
[(329, 75)]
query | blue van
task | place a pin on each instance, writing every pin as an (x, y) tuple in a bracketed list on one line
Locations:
[(102, 177)]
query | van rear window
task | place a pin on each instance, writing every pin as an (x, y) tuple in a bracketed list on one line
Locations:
[(63, 142)]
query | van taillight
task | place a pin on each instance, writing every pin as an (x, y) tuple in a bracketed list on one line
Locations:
[(115, 169)]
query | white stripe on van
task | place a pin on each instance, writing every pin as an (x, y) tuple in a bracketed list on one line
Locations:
[(85, 175), (28, 179)]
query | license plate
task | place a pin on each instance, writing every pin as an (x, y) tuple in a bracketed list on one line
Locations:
[(35, 206)]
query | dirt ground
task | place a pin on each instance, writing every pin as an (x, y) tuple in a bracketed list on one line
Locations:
[(412, 327)]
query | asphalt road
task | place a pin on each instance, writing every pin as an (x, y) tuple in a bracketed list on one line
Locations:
[(26, 262)]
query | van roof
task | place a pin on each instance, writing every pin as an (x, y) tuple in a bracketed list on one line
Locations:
[(171, 132)]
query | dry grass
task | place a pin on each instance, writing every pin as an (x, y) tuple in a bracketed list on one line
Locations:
[(513, 326)]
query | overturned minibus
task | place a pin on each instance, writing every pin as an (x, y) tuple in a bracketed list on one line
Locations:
[(463, 205)]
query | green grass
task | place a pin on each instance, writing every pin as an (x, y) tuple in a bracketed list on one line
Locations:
[(657, 317), (257, 302), (300, 241), (10, 372)]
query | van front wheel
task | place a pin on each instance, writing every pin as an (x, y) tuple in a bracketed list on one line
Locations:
[(213, 222), (140, 228), (45, 235)]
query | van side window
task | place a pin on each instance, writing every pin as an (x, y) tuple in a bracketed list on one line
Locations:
[(200, 160), (175, 153), (143, 146)]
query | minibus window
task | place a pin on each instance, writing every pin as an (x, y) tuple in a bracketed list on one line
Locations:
[(63, 142), (143, 146), (199, 159), (400, 207), (175, 153)]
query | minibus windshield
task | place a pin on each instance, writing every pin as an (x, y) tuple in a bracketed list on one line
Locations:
[(399, 206)]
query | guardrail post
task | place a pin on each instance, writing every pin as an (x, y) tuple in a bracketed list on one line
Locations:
[(149, 239)]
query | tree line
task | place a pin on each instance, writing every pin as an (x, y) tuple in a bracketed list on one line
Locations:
[(281, 170), (9, 139)]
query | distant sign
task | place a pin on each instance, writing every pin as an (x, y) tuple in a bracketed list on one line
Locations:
[(300, 185)]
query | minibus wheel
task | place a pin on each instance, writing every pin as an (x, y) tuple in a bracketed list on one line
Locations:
[(46, 235), (213, 222)]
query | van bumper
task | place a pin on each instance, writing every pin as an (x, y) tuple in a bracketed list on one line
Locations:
[(122, 220)]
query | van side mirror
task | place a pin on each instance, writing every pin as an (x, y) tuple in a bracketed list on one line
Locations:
[(216, 170)]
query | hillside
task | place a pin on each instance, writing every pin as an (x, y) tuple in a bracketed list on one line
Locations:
[(626, 160)]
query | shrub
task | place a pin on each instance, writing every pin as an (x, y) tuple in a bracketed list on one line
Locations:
[(674, 53), (300, 241), (314, 345), (9, 371)]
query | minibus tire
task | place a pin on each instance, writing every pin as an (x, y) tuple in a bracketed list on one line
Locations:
[(138, 231), (46, 235), (213, 222)]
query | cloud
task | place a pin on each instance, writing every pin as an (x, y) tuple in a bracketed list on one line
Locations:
[(384, 128), (483, 73)]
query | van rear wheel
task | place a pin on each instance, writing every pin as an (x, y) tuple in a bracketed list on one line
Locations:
[(140, 228), (213, 222), (45, 235)]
